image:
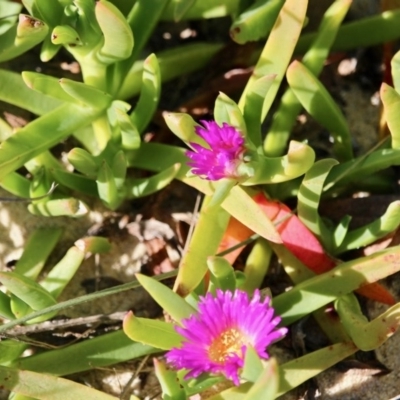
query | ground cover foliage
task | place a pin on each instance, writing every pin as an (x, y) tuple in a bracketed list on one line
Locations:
[(115, 133)]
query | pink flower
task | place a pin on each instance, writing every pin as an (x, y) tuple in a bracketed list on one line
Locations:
[(216, 338), (224, 155)]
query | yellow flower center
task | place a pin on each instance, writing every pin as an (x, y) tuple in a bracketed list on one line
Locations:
[(228, 342)]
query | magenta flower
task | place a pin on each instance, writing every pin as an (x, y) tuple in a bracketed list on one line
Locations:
[(216, 338), (224, 155)]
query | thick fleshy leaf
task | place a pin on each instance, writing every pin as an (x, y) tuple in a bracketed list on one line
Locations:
[(252, 108), (142, 20), (289, 108), (317, 101), (13, 90), (27, 290), (173, 63), (107, 187), (169, 381), (202, 9), (62, 273), (101, 351), (309, 196), (296, 162), (9, 11), (256, 22), (10, 350), (33, 139), (286, 30), (5, 307), (365, 32), (22, 37), (70, 207), (83, 161), (222, 274), (316, 292), (170, 302), (391, 103), (155, 333), (130, 137), (395, 64), (299, 370), (149, 94), (36, 251), (365, 165), (65, 35), (266, 386), (47, 11), (252, 367), (47, 387), (183, 126), (367, 335), (373, 231), (135, 188), (257, 263), (226, 110), (208, 232), (117, 34), (45, 84), (85, 94), (75, 182)]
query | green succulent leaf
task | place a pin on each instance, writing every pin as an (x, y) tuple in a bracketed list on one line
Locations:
[(183, 126), (136, 188), (226, 110), (320, 290), (395, 64), (317, 101), (101, 351), (65, 35), (286, 30), (36, 251), (86, 94), (151, 332), (391, 103), (107, 187), (209, 230), (171, 302), (289, 108), (366, 32), (266, 385), (83, 162), (149, 94), (46, 387), (252, 112), (27, 290), (309, 196), (366, 335), (62, 273), (373, 231), (296, 162), (70, 207), (169, 382), (173, 63), (256, 22), (118, 37), (33, 139), (22, 37), (222, 274)]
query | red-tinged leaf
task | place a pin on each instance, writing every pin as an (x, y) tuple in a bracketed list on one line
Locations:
[(296, 236), (377, 292), (298, 239)]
